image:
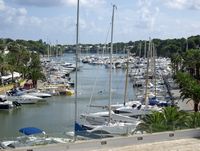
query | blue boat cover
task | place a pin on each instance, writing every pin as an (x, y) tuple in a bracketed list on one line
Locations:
[(81, 130), (30, 130), (79, 127)]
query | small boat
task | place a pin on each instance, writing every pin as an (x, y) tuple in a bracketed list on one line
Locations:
[(58, 89), (32, 137), (21, 97), (37, 93), (4, 104)]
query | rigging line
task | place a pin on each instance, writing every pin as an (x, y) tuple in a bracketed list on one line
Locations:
[(95, 83), (93, 89), (105, 43), (108, 31)]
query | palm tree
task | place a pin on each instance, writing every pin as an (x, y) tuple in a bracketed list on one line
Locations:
[(193, 120), (11, 63), (1, 63), (153, 122), (189, 88), (167, 120), (23, 63), (176, 62), (35, 69), (174, 119), (192, 62)]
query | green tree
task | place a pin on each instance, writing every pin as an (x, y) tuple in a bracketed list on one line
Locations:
[(174, 119), (176, 62), (167, 120), (193, 120), (35, 69), (153, 122), (189, 88), (191, 61)]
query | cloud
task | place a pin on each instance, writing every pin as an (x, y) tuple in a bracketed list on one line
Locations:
[(52, 3), (2, 5), (17, 23), (15, 17), (183, 4), (146, 14), (40, 3)]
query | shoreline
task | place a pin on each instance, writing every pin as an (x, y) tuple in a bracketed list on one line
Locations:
[(5, 88)]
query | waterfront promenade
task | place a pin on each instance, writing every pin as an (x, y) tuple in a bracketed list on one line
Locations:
[(181, 140), (189, 144)]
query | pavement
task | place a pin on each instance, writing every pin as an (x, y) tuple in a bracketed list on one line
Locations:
[(185, 105), (189, 144)]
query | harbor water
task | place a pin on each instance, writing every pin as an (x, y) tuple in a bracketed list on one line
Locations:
[(56, 115)]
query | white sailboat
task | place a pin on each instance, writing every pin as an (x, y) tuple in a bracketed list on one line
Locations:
[(100, 118), (140, 109), (109, 128)]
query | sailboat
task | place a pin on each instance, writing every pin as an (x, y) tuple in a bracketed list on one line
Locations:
[(100, 118), (108, 129), (140, 109)]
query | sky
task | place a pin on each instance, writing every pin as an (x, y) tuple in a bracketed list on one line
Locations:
[(54, 21)]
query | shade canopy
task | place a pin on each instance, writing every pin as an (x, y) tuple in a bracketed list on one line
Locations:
[(30, 130)]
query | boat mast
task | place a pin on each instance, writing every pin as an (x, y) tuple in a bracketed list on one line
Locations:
[(147, 76), (145, 49), (126, 80), (154, 61), (76, 75), (111, 51)]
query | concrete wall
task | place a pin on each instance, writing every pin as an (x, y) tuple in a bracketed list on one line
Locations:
[(118, 142)]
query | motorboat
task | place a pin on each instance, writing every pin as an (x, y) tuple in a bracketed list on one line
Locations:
[(32, 137), (21, 97), (4, 104), (37, 93)]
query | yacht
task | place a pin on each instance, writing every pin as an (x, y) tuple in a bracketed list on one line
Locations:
[(5, 104), (20, 97), (37, 93)]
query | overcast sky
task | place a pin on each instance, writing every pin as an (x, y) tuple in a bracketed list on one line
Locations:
[(55, 20)]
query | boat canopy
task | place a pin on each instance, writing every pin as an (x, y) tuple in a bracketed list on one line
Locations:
[(31, 130)]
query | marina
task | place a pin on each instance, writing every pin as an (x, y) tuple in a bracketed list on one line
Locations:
[(62, 107), (54, 112), (82, 75)]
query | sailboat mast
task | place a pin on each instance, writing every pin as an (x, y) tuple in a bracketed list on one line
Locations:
[(154, 75), (111, 51), (48, 50), (76, 75), (145, 49), (147, 76), (126, 80)]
